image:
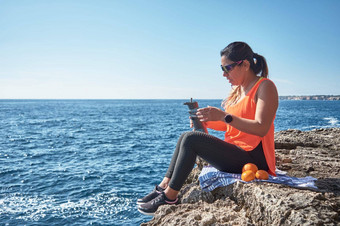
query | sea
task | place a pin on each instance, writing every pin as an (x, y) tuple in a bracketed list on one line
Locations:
[(85, 162)]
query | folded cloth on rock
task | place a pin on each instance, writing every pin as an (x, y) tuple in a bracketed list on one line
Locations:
[(211, 178)]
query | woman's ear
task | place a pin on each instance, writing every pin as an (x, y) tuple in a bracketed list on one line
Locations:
[(246, 65)]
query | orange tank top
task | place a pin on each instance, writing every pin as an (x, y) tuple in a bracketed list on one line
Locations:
[(246, 108)]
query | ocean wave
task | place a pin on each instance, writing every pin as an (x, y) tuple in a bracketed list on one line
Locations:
[(332, 121), (42, 208)]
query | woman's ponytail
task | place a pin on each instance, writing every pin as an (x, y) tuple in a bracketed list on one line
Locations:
[(260, 65)]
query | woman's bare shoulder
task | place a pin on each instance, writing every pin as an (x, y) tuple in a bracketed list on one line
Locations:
[(267, 86), (267, 89)]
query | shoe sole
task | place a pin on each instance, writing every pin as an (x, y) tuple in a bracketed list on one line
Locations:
[(146, 213), (140, 203)]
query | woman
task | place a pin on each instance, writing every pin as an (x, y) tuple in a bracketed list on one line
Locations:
[(248, 120)]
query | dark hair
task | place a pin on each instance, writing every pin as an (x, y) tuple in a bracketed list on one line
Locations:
[(241, 51)]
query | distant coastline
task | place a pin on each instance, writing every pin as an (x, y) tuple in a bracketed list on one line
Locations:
[(292, 97), (314, 97)]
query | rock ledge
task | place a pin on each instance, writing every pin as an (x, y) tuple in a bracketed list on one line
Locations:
[(313, 153)]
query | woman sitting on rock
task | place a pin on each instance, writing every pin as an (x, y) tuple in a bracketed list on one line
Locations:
[(248, 120)]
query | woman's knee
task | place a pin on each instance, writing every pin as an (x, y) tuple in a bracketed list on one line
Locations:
[(191, 137), (184, 134)]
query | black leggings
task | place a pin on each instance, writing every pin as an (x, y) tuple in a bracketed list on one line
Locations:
[(218, 153)]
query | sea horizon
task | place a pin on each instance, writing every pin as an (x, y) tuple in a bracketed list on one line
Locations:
[(280, 96)]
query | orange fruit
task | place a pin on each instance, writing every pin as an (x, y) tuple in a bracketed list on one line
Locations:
[(250, 166), (262, 175), (248, 175)]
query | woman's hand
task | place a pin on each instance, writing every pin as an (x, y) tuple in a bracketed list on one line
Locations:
[(210, 114)]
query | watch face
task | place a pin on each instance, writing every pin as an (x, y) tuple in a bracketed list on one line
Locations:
[(228, 118)]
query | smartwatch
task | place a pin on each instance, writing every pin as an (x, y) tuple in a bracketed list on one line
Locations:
[(228, 118)]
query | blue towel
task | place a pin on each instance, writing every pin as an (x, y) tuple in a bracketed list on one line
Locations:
[(211, 178)]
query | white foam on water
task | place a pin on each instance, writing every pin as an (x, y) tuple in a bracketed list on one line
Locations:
[(26, 207), (33, 208), (332, 121)]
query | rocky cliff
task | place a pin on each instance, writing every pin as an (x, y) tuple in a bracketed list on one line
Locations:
[(314, 153)]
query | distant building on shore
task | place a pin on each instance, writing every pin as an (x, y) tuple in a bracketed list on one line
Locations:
[(315, 97)]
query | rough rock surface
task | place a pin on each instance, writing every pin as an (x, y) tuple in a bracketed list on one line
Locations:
[(313, 153)]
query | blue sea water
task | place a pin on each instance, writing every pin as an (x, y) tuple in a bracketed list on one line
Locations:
[(85, 162)]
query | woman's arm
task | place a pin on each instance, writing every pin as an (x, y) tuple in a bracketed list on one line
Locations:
[(215, 125), (266, 106)]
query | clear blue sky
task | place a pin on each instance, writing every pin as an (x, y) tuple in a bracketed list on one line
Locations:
[(162, 49)]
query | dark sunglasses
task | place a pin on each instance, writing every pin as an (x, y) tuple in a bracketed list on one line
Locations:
[(230, 67)]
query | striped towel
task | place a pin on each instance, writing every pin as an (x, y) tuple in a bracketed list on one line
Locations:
[(211, 178)]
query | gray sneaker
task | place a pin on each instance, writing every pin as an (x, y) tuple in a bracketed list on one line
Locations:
[(151, 195), (151, 207)]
